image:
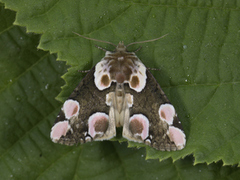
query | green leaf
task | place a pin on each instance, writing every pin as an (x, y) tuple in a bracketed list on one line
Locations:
[(199, 63)]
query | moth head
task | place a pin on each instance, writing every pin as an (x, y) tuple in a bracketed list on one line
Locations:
[(121, 47)]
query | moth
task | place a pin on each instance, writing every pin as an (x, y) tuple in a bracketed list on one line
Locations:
[(119, 92)]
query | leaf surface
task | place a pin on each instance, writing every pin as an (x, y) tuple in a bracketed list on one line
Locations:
[(199, 72)]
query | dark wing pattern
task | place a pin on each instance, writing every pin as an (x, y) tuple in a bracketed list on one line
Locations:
[(148, 103), (71, 125)]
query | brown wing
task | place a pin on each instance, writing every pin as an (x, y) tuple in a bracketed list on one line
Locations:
[(148, 102), (90, 101)]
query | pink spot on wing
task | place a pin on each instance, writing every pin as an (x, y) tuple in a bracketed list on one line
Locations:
[(167, 113), (71, 108), (138, 77), (97, 124), (177, 136), (139, 125), (102, 78), (102, 81), (59, 129), (138, 81)]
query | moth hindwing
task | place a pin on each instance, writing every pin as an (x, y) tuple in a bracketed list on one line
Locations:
[(119, 91)]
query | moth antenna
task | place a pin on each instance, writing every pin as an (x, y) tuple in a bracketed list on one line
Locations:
[(151, 40), (100, 48), (83, 71), (92, 39), (153, 69)]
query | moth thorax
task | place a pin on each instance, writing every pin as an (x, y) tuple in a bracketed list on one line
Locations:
[(120, 77)]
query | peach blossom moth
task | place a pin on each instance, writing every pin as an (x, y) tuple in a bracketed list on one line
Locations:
[(119, 92)]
